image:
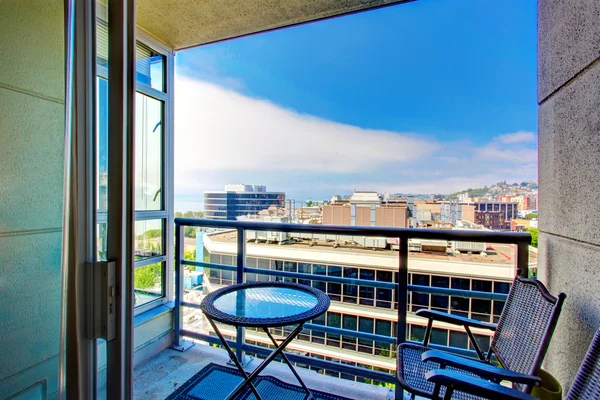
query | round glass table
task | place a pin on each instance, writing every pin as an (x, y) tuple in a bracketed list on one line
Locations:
[(264, 305)]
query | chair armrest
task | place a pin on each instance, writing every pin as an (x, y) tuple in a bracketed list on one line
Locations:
[(480, 368), (454, 319), (475, 386)]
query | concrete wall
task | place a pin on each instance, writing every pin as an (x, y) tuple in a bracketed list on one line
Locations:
[(363, 216), (569, 173), (31, 190), (395, 217), (337, 215), (468, 213)]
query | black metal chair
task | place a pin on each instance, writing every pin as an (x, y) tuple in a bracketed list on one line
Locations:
[(519, 344), (586, 385)]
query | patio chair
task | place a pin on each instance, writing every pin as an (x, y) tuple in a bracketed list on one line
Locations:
[(586, 385), (519, 344)]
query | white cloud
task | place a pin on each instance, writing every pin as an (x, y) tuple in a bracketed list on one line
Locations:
[(222, 136), (517, 137), (219, 129)]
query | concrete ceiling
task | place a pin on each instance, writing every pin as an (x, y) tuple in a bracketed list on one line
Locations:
[(186, 23)]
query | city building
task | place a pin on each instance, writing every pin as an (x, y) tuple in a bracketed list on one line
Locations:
[(427, 211), (240, 200), (495, 215), (367, 209), (362, 308)]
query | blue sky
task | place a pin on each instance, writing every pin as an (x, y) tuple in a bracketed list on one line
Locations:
[(430, 96)]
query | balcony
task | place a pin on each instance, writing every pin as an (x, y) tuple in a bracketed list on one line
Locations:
[(350, 351)]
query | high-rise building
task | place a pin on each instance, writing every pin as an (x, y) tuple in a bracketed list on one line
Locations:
[(240, 200)]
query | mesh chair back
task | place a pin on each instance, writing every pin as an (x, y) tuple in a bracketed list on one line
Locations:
[(587, 381), (526, 325)]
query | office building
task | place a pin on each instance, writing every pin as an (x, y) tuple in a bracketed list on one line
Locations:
[(360, 308), (240, 200)]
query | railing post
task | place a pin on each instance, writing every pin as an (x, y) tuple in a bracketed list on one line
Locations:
[(241, 258), (522, 256), (402, 298), (177, 317)]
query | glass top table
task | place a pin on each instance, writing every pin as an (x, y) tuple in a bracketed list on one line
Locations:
[(264, 305)]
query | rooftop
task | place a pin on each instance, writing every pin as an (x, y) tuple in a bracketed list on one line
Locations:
[(499, 263)]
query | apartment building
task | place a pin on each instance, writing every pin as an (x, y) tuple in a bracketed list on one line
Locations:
[(366, 309)]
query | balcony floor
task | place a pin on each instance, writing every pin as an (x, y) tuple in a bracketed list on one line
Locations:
[(162, 374)]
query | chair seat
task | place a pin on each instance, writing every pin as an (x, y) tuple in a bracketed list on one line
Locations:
[(411, 372)]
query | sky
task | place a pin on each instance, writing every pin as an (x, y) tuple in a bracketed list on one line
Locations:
[(425, 97)]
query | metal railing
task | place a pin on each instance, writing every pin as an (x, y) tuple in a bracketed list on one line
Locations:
[(401, 287)]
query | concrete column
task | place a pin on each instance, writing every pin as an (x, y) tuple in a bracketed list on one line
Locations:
[(569, 173), (32, 112)]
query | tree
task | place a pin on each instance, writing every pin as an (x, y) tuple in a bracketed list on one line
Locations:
[(147, 276), (531, 216), (534, 236)]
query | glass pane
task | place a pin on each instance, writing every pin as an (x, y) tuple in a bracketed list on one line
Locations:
[(349, 323), (101, 172), (333, 320), (147, 283), (149, 237), (366, 325), (459, 339), (501, 287), (150, 67), (101, 244), (101, 166), (148, 153), (417, 333), (481, 286), (439, 336), (319, 270), (334, 290)]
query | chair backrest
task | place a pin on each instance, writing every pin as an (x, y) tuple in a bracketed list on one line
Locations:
[(526, 326), (587, 381)]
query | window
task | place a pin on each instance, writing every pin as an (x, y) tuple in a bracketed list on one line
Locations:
[(350, 323), (366, 325), (440, 302), (481, 309), (439, 336), (350, 290), (384, 296), (417, 333), (153, 243), (334, 289), (420, 300), (263, 264), (318, 336), (289, 266), (482, 341), (383, 328), (334, 320), (366, 294), (304, 268), (319, 270), (277, 265), (460, 305), (251, 263), (459, 339)]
